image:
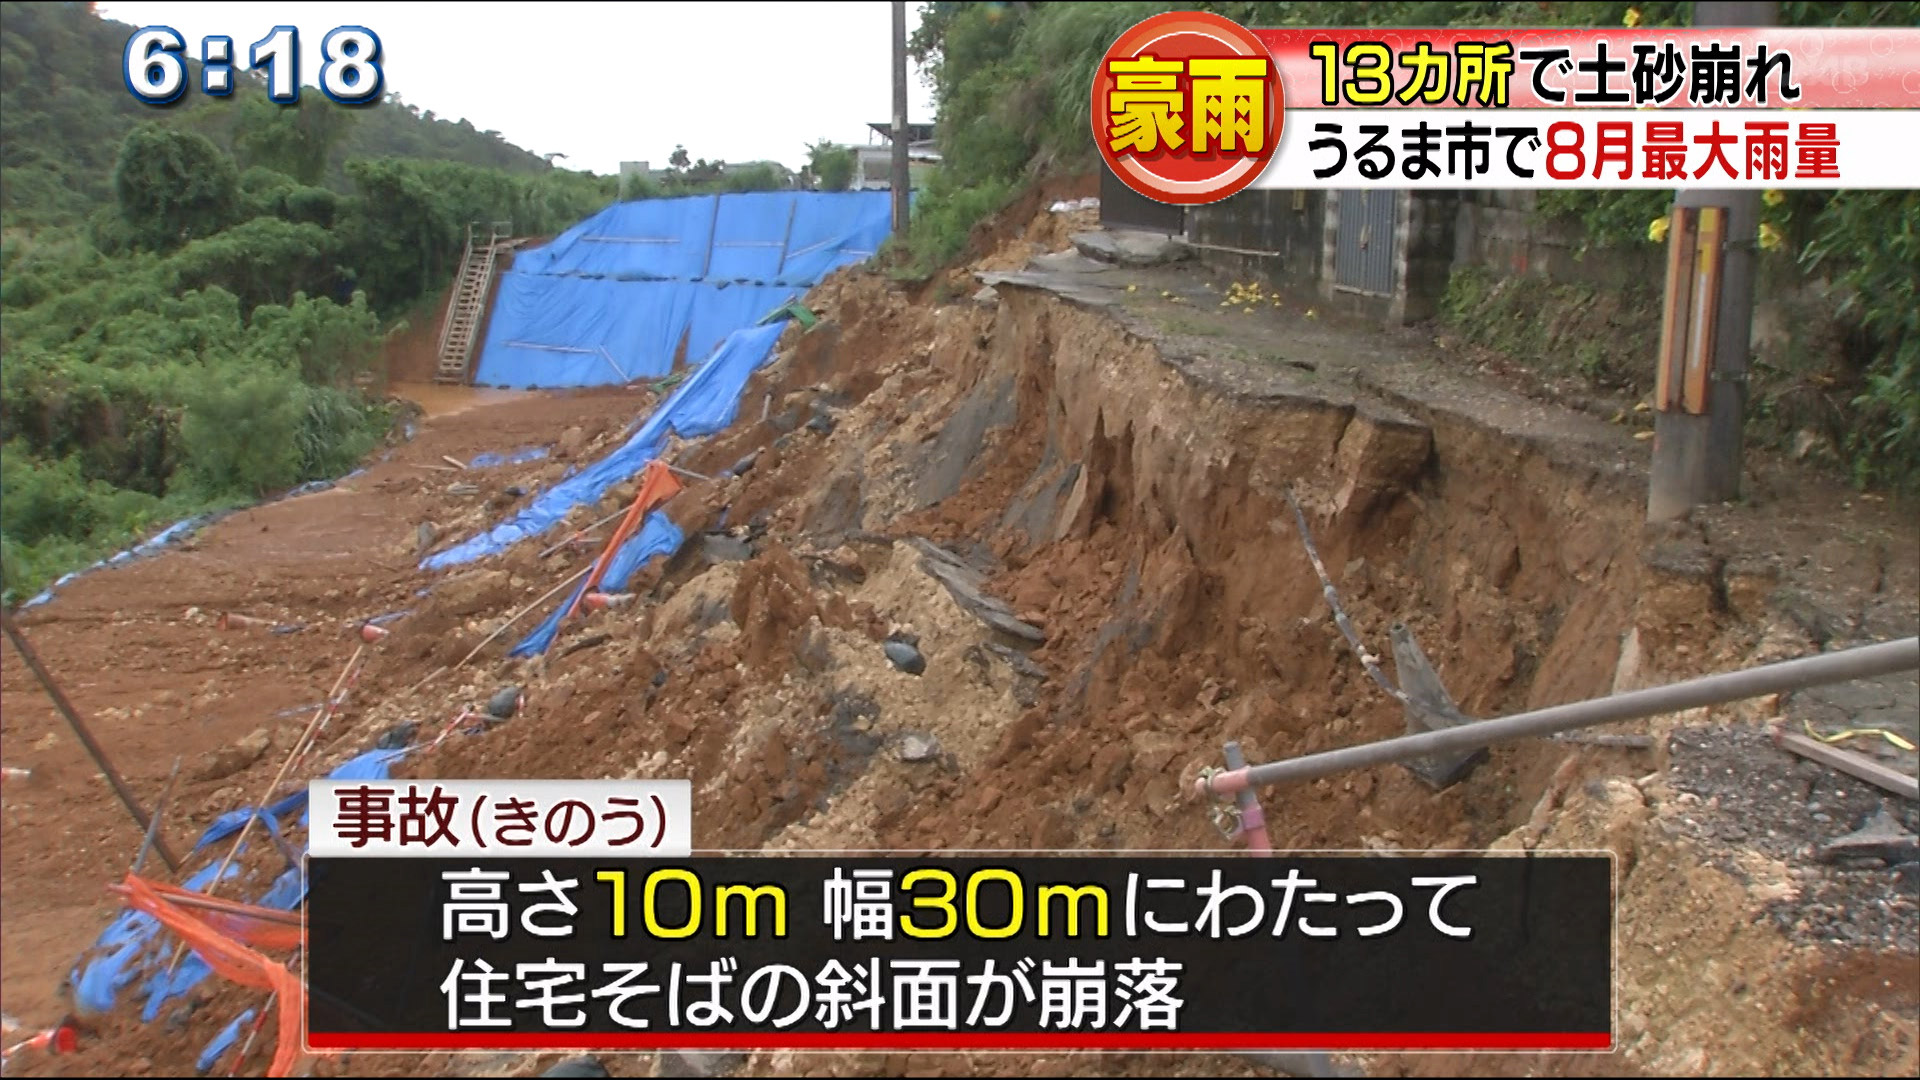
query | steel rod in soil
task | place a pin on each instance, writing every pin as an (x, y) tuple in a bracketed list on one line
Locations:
[(85, 735)]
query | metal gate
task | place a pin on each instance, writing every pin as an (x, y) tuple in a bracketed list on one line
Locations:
[(1363, 259), (1121, 207)]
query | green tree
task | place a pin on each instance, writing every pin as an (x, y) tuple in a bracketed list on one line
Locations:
[(238, 429), (759, 176), (328, 342), (831, 165), (297, 140), (173, 186), (264, 261), (401, 237)]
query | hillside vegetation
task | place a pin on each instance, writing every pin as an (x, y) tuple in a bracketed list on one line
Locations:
[(1012, 84), (192, 299)]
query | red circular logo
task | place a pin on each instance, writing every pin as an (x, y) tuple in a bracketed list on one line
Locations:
[(1187, 107)]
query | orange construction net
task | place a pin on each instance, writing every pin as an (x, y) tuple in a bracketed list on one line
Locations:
[(657, 485), (260, 927), (229, 958)]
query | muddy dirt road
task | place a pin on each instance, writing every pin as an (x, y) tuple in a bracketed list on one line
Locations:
[(137, 648)]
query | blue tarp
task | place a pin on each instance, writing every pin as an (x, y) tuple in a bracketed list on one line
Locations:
[(549, 331), (234, 820), (98, 983), (659, 239), (611, 299), (115, 958), (719, 311), (518, 457), (668, 239), (657, 536), (706, 402), (172, 534), (222, 1042)]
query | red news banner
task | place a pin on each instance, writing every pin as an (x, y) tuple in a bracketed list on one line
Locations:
[(1647, 107)]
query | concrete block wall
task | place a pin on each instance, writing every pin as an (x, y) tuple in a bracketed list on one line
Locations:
[(1425, 254), (1287, 238), (1271, 236)]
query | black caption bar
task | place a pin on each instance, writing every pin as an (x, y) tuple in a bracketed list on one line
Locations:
[(1090, 952)]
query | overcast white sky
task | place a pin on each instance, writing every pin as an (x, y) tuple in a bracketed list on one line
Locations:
[(605, 83)]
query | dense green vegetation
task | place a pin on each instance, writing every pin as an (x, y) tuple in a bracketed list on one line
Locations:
[(192, 299), (830, 165), (1012, 86)]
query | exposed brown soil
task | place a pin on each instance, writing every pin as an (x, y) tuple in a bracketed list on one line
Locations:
[(1123, 489)]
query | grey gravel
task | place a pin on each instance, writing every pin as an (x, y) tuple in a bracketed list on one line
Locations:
[(1753, 795)]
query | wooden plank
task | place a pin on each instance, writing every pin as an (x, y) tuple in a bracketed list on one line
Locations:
[(1701, 338), (1849, 762), (1681, 243)]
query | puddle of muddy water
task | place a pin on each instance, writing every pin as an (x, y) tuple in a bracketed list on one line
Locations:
[(436, 399)]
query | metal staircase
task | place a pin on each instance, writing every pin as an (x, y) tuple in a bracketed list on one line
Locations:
[(467, 303)]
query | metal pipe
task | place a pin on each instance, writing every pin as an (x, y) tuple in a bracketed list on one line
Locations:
[(786, 240), (713, 230), (225, 907), (1865, 662), (153, 821), (87, 741), (582, 532)]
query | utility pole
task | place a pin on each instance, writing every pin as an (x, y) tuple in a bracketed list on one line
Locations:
[(901, 182), (1698, 444)]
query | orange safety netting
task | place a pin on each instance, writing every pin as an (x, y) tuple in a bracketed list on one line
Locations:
[(230, 959), (249, 924), (657, 485)]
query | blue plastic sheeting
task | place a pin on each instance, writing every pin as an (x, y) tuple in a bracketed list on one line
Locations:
[(610, 331), (222, 1042), (706, 402), (548, 331), (651, 239), (284, 894), (720, 310), (97, 982), (372, 765), (657, 536), (610, 300), (234, 820), (668, 239), (518, 457), (172, 534), (709, 399), (831, 231)]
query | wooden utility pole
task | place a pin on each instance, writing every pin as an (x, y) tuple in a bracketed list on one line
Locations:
[(1698, 439), (901, 181)]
